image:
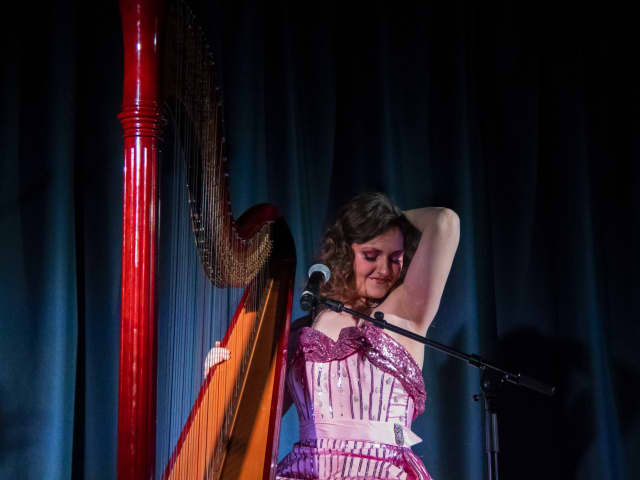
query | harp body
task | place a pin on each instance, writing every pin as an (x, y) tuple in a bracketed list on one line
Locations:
[(232, 429)]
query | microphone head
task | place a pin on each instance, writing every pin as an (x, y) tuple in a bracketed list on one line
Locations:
[(319, 267)]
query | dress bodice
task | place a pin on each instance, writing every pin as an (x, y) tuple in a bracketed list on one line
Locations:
[(356, 398), (364, 375)]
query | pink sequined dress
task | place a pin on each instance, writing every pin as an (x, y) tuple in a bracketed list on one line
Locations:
[(356, 398)]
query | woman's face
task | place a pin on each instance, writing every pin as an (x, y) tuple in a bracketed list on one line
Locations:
[(377, 263)]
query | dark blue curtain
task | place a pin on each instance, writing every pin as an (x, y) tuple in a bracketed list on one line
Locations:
[(513, 115)]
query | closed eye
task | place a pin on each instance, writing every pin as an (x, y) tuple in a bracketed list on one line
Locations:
[(373, 258)]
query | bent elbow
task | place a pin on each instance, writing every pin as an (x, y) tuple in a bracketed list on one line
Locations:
[(448, 221)]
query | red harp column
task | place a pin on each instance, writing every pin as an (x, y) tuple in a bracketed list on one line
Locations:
[(140, 120)]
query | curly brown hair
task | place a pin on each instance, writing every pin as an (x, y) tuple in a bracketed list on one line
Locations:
[(364, 217)]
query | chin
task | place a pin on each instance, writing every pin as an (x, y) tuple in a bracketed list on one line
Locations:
[(377, 294)]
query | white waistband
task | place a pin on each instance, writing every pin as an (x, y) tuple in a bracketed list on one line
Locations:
[(367, 430)]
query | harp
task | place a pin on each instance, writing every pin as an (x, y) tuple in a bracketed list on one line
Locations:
[(225, 424)]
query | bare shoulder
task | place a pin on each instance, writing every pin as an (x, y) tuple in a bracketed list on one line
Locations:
[(402, 307), (393, 317)]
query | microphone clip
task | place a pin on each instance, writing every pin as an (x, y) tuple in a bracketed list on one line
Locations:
[(318, 275)]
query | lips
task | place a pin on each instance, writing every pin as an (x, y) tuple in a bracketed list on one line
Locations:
[(380, 281)]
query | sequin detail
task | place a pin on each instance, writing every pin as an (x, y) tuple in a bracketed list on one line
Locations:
[(381, 350), (353, 378)]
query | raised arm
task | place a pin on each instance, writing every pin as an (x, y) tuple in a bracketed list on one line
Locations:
[(418, 298)]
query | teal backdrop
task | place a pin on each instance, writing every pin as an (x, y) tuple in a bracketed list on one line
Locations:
[(517, 116)]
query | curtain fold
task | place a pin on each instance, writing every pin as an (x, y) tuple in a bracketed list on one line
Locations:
[(509, 114)]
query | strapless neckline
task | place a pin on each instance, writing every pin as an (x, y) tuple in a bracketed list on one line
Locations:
[(380, 348), (346, 332)]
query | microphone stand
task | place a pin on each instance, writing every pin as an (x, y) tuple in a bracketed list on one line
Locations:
[(492, 378)]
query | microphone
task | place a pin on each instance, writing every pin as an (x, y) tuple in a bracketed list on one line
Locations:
[(318, 274)]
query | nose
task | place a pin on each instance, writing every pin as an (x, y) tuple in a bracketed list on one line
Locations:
[(383, 266)]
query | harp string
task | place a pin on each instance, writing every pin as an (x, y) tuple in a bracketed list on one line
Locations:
[(208, 265)]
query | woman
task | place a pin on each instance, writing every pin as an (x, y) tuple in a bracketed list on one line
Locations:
[(356, 388)]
